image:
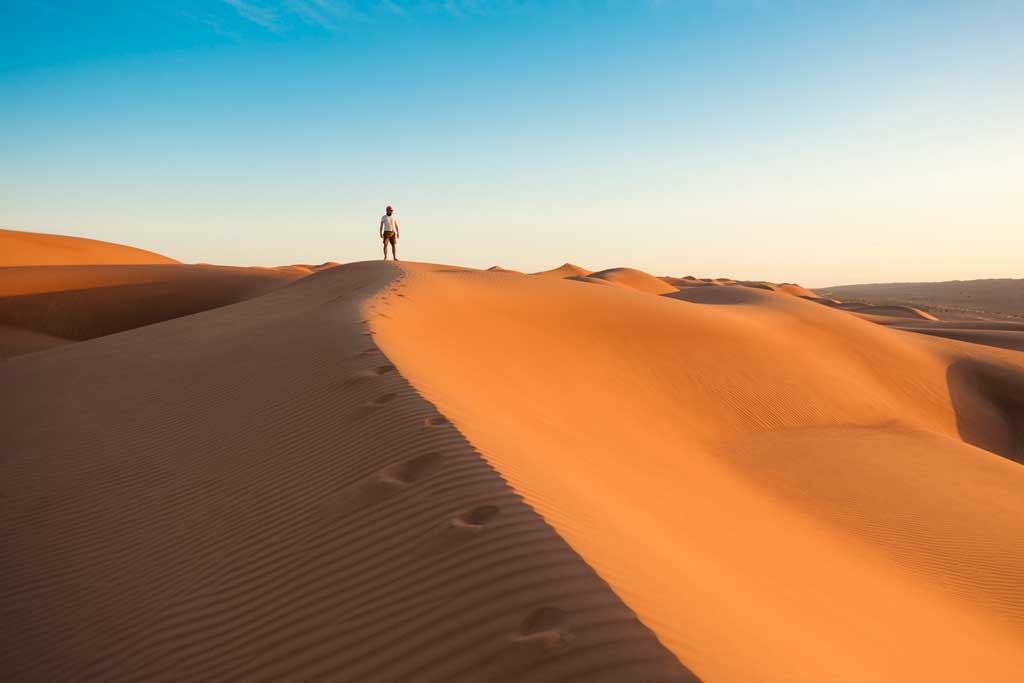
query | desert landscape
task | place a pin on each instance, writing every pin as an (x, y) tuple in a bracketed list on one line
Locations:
[(402, 471)]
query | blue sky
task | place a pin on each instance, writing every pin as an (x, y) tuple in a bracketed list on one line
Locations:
[(813, 141)]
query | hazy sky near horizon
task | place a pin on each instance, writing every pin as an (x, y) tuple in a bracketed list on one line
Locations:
[(813, 141)]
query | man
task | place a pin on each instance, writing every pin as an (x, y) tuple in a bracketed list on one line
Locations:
[(389, 232)]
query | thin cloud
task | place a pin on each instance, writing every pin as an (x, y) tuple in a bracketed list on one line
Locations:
[(331, 15), (257, 14)]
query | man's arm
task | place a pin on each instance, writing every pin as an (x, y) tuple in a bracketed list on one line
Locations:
[(397, 234), (380, 229)]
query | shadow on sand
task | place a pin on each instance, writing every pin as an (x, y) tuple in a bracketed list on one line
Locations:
[(989, 402)]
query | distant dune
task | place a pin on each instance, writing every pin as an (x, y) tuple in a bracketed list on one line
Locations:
[(988, 312), (42, 306), (963, 299), (565, 270), (38, 249), (75, 303), (631, 278), (411, 472)]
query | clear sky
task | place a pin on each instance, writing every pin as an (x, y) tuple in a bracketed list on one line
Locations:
[(813, 141)]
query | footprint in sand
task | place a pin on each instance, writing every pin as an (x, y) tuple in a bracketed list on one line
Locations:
[(461, 529), (435, 421), (544, 628), (364, 375), (542, 634), (383, 484)]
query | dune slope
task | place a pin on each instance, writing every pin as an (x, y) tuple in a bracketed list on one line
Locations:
[(84, 302), (782, 491), (255, 493), (18, 248)]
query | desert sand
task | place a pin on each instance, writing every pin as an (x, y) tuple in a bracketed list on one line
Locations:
[(18, 248), (413, 472), (100, 288), (996, 298), (782, 491)]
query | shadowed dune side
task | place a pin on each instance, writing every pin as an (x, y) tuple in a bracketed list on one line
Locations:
[(14, 341), (779, 489), (999, 338), (690, 282), (590, 280), (255, 493), (18, 248), (84, 302), (721, 295), (989, 401)]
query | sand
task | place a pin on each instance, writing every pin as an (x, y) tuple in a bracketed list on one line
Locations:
[(84, 302), (413, 472), (782, 491), (56, 289), (1001, 298), (19, 248), (256, 493)]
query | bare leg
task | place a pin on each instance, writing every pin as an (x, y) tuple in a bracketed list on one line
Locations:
[(394, 249), (385, 250)]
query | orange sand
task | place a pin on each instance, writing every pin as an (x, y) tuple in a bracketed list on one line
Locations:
[(782, 492), (103, 288), (253, 493), (381, 472), (37, 249)]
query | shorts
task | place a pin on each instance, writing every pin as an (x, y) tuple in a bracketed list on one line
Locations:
[(389, 236)]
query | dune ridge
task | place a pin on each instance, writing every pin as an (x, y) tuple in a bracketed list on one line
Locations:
[(76, 303), (256, 493), (19, 248), (780, 490)]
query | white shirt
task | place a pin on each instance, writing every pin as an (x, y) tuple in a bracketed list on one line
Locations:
[(389, 222)]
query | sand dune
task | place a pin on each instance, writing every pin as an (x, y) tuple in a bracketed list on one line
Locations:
[(997, 337), (988, 330), (565, 270), (888, 311), (15, 341), (631, 278), (411, 472), (19, 248), (957, 299), (782, 492), (84, 302), (255, 493)]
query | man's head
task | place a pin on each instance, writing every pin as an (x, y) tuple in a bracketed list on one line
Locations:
[(389, 210)]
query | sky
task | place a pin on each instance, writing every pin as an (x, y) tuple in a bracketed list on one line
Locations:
[(810, 141)]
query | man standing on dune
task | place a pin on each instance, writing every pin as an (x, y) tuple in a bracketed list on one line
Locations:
[(389, 232)]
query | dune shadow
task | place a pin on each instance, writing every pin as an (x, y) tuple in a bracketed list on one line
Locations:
[(988, 400), (717, 296)]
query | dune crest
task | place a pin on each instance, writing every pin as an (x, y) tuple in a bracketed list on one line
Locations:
[(18, 248), (85, 302), (256, 493), (565, 270), (631, 278)]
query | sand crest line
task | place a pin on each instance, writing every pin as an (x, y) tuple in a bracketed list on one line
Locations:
[(297, 512)]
